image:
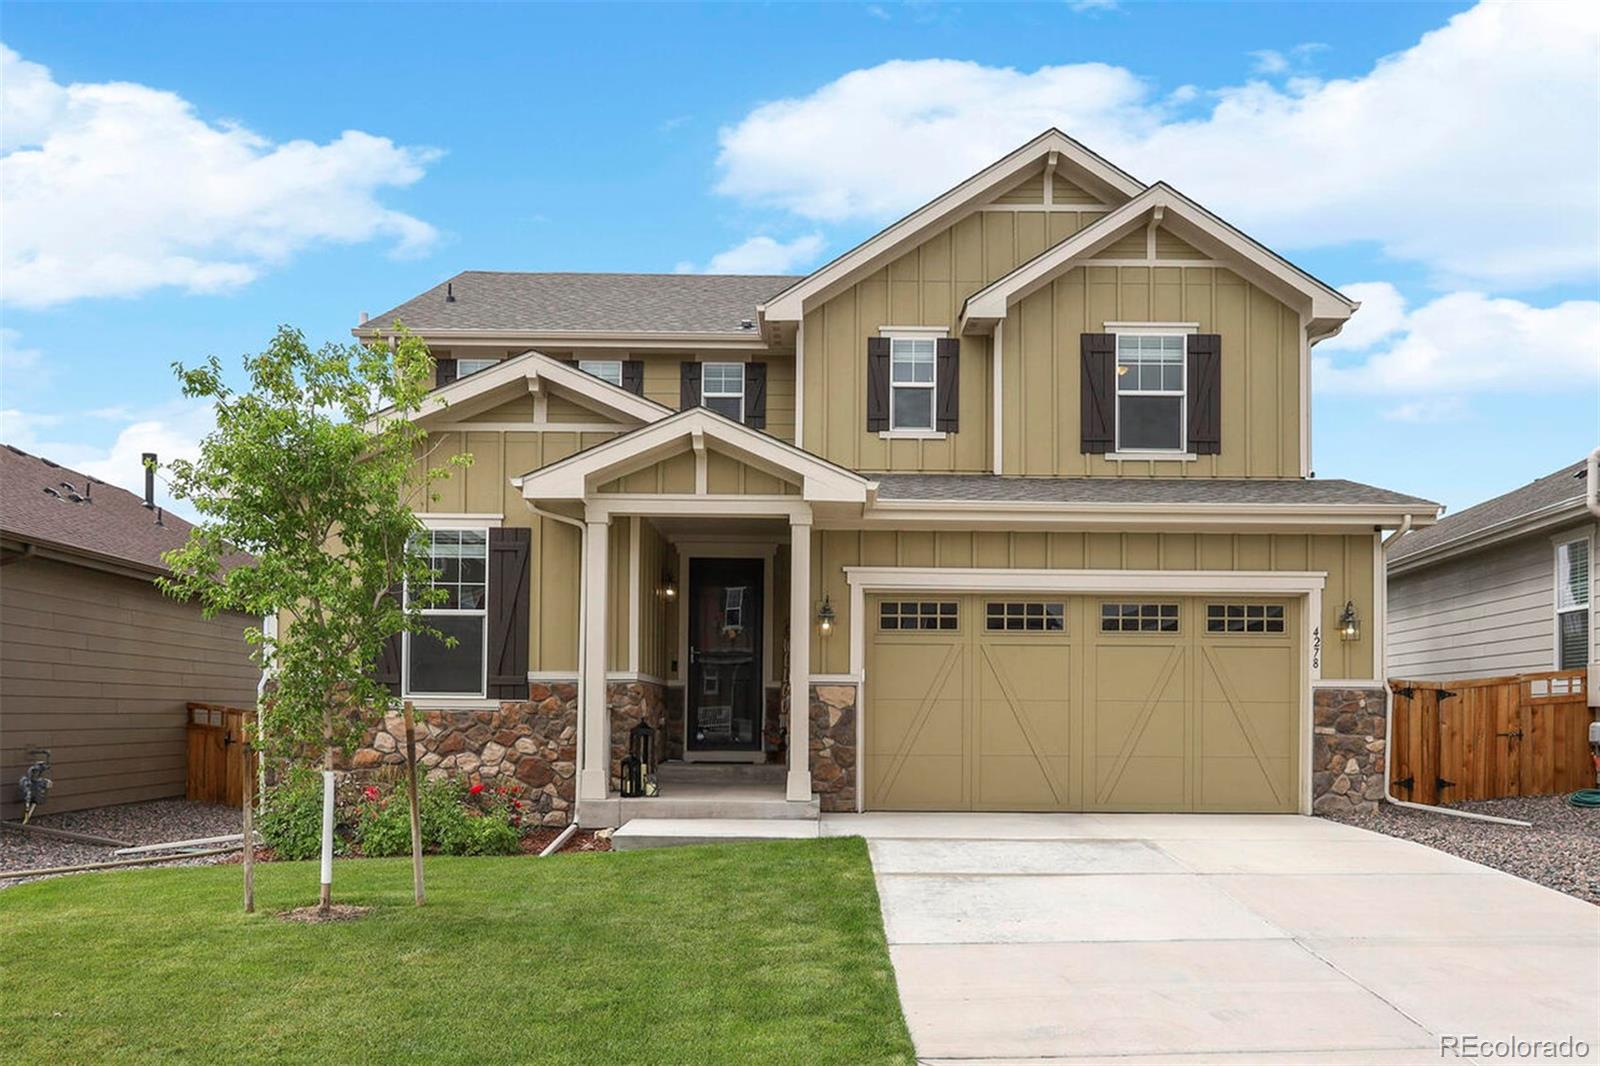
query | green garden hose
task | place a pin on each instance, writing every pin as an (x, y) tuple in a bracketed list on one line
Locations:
[(1585, 797)]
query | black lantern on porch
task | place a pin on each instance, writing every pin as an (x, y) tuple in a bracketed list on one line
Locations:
[(639, 766)]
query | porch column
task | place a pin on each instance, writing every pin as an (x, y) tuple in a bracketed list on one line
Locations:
[(799, 787), (595, 777)]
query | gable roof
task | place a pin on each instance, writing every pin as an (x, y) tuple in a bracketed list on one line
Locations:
[(1094, 173), (574, 477), (1549, 500), (466, 395), (111, 525), (1326, 305), (489, 301)]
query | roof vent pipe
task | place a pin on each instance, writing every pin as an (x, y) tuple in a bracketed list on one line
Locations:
[(149, 461), (449, 292)]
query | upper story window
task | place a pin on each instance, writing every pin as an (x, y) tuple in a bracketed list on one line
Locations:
[(722, 388), (911, 383), (460, 561), (472, 366), (1572, 604), (604, 369), (1151, 392)]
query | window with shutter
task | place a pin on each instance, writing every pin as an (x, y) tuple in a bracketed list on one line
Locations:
[(1096, 393), (755, 395), (459, 559), (688, 385)]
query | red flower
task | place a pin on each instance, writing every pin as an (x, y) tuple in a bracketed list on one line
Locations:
[(476, 788), (371, 792)]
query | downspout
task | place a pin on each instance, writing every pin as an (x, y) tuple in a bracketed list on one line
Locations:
[(1382, 652), (583, 644)]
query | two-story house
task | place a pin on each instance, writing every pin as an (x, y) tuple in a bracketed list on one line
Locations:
[(1015, 498)]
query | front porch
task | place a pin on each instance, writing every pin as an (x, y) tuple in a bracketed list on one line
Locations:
[(696, 603)]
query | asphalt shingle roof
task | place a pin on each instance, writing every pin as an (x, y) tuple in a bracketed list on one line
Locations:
[(620, 303), (111, 523), (1565, 486), (1175, 491)]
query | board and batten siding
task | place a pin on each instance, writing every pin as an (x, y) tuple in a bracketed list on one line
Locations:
[(1040, 373), (1483, 614), (1347, 559), (99, 668)]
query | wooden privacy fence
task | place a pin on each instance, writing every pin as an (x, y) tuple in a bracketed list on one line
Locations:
[(216, 753), (1526, 735)]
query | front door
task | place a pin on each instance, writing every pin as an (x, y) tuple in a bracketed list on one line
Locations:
[(725, 697)]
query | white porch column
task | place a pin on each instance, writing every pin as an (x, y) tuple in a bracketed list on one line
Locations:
[(595, 777), (799, 787)]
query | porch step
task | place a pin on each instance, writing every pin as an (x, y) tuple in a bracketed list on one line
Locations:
[(727, 801), (670, 774), (674, 832)]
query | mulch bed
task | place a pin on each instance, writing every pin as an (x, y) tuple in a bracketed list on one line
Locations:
[(315, 915), (1560, 851), (583, 840)]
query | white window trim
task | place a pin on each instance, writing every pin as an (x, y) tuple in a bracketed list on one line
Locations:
[(707, 394), (915, 333), (585, 364), (481, 365), (1561, 541), (1153, 329), (436, 699)]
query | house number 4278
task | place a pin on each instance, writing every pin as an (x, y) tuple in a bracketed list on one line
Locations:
[(1316, 648)]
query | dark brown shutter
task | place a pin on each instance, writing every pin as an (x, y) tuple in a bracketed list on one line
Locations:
[(508, 613), (444, 372), (755, 395), (386, 671), (573, 363), (688, 385), (1098, 393), (633, 376), (1205, 393), (877, 384), (948, 387)]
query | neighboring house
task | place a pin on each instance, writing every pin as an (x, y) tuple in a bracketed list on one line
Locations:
[(1015, 497), (96, 664), (1504, 587)]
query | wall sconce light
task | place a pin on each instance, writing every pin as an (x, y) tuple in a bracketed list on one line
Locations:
[(669, 588), (1349, 622), (825, 616)]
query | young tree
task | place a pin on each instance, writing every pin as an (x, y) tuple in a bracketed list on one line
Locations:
[(314, 471)]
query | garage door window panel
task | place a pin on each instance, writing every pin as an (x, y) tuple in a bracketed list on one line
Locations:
[(1022, 617), (1244, 618), (908, 615), (1138, 618)]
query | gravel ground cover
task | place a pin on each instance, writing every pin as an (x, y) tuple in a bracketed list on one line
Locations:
[(1560, 851), (138, 823)]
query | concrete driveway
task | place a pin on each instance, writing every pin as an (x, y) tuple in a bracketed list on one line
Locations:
[(1216, 938)]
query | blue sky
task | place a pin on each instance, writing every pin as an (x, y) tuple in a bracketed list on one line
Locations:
[(180, 179)]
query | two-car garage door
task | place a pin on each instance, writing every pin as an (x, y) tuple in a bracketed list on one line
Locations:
[(1082, 703)]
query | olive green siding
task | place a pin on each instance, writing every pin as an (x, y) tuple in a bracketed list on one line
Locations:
[(658, 618), (725, 476), (1347, 560), (1041, 369), (924, 287)]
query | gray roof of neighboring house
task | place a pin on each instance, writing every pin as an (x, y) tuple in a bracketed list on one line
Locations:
[(1554, 491), (1174, 491), (602, 303), (111, 523)]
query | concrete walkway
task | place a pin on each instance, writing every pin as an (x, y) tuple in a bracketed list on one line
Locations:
[(1216, 938)]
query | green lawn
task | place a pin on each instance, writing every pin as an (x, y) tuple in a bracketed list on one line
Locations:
[(738, 953)]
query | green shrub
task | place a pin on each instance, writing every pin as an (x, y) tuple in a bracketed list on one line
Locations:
[(441, 805), (483, 834), (383, 824), (291, 816)]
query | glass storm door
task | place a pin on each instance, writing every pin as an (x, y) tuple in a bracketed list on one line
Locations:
[(724, 698)]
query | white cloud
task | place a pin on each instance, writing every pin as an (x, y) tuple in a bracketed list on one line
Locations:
[(1085, 6), (1462, 343), (1470, 152), (1271, 61), (1428, 412), (1383, 312), (172, 431), (762, 255), (113, 189), (18, 364)]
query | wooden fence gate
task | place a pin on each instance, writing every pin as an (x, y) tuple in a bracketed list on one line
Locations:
[(1526, 735), (216, 754)]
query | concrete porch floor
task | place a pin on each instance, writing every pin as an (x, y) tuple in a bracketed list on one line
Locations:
[(743, 792)]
